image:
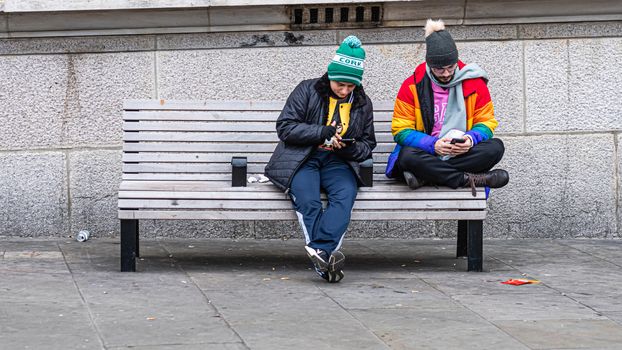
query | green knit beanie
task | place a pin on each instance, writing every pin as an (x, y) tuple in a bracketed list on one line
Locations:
[(347, 65)]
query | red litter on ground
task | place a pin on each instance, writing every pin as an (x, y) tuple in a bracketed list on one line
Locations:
[(520, 281)]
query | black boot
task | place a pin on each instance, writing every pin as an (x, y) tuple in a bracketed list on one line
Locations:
[(494, 179), (412, 181)]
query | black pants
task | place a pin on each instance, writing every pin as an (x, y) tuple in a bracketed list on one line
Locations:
[(481, 158)]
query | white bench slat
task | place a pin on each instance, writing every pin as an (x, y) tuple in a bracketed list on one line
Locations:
[(230, 105), (286, 204), (199, 147), (239, 127), (209, 186), (177, 177), (378, 178), (206, 168), (207, 136), (225, 194), (270, 116), (163, 157), (191, 157), (290, 215), (200, 126), (267, 116), (216, 147), (270, 137)]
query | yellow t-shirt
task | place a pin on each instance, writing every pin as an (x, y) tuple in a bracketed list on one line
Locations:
[(344, 113)]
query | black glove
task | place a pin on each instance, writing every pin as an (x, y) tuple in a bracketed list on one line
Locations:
[(328, 132)]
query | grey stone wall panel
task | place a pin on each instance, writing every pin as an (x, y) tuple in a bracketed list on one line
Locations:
[(570, 85), (69, 100), (264, 74), (356, 229), (407, 229), (448, 229), (384, 35), (33, 194), (487, 32), (569, 30), (387, 66), (416, 34), (595, 83), (503, 62), (33, 112), (557, 189), (245, 40), (278, 230), (196, 229), (618, 161), (97, 86), (547, 84), (94, 186), (77, 44)]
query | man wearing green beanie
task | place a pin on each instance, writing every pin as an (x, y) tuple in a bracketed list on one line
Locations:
[(325, 129)]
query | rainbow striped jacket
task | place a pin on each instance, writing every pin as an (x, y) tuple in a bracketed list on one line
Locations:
[(413, 114)]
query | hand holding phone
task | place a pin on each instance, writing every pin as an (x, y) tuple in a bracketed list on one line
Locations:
[(347, 141), (457, 140)]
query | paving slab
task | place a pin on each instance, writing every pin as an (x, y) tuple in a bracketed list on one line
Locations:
[(151, 309), (449, 329), (271, 310), (611, 252), (541, 306), (46, 325), (201, 346), (615, 316), (466, 283), (564, 334), (32, 257), (429, 255), (386, 293)]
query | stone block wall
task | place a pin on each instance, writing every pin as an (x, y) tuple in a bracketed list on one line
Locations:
[(555, 88)]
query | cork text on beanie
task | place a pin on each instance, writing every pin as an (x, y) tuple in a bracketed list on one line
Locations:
[(348, 64), (441, 49)]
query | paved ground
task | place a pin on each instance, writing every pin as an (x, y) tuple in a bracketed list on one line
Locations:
[(222, 294)]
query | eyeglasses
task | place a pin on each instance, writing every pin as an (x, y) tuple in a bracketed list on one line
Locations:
[(449, 69)]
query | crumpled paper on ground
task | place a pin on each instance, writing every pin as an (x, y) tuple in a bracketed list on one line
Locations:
[(520, 281)]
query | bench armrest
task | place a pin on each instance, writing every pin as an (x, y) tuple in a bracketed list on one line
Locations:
[(238, 172), (367, 172)]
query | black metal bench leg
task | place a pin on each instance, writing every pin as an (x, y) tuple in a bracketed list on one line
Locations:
[(474, 245), (462, 239), (137, 240), (129, 245)]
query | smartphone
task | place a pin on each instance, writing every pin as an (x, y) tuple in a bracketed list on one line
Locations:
[(347, 141), (457, 140)]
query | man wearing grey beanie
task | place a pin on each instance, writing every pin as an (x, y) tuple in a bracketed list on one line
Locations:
[(443, 122)]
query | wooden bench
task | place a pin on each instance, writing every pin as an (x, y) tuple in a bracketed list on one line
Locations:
[(181, 158)]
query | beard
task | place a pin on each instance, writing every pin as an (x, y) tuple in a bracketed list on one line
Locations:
[(444, 80)]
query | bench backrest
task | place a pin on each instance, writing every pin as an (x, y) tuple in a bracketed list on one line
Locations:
[(195, 140)]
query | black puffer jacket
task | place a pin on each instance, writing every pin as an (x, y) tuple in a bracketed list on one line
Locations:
[(300, 125)]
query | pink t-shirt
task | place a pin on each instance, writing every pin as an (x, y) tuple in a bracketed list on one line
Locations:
[(441, 96)]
